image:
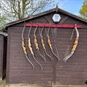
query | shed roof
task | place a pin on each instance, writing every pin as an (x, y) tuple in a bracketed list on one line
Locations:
[(44, 13), (3, 33)]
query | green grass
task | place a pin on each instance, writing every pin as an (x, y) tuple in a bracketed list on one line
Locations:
[(3, 84)]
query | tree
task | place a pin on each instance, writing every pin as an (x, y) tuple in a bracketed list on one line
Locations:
[(18, 9), (2, 21), (83, 10)]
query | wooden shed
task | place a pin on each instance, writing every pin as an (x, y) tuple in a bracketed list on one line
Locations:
[(62, 36), (3, 40)]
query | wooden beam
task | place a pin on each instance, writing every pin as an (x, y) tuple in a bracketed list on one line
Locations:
[(64, 26)]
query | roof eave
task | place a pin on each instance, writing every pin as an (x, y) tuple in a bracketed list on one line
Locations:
[(4, 34)]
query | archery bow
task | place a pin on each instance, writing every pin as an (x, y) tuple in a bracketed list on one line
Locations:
[(43, 44), (74, 45), (31, 50), (50, 45), (36, 45), (69, 46), (24, 48)]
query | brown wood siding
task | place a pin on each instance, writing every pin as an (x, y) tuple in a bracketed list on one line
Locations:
[(1, 55), (73, 72)]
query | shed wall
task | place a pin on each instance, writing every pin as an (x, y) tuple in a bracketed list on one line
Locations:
[(73, 72)]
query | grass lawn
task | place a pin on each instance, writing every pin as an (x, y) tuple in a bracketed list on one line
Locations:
[(3, 84)]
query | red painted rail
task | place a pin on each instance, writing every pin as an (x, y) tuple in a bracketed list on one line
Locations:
[(71, 26)]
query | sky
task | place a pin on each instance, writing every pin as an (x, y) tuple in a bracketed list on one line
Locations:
[(72, 6)]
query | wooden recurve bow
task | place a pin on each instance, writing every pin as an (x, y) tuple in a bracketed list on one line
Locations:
[(50, 45), (74, 45), (49, 41), (31, 50), (37, 45), (43, 44), (24, 48)]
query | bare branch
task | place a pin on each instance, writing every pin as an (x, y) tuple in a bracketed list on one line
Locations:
[(22, 8)]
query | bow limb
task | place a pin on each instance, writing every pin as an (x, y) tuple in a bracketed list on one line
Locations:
[(74, 45), (68, 56), (37, 62), (43, 44), (36, 45), (41, 55), (24, 48), (50, 45), (31, 50)]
